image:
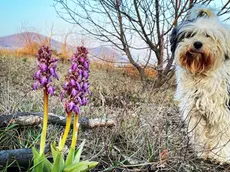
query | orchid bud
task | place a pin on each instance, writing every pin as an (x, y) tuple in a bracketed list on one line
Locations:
[(65, 86), (85, 74), (35, 85), (74, 67), (52, 71), (82, 59), (74, 92), (43, 67), (37, 74), (76, 109), (50, 90), (43, 81), (70, 106), (72, 82)]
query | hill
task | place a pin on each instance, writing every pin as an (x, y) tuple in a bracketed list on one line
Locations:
[(19, 40)]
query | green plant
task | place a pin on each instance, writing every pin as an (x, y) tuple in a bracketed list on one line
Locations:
[(76, 90), (46, 65)]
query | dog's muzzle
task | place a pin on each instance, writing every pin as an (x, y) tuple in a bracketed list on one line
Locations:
[(196, 59), (196, 51)]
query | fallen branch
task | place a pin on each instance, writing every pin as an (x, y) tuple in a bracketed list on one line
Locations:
[(16, 158), (35, 118), (23, 157)]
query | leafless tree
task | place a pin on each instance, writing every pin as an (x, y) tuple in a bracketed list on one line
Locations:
[(51, 33), (32, 39), (65, 36), (28, 36), (225, 9), (132, 25)]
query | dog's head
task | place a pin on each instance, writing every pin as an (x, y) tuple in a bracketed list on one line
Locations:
[(199, 44)]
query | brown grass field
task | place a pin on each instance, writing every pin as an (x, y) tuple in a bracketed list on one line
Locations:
[(149, 135)]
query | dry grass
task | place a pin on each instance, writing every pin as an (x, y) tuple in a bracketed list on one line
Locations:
[(149, 135), (131, 71)]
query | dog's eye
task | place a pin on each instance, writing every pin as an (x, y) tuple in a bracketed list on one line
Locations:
[(185, 35), (202, 14), (188, 35), (207, 35)]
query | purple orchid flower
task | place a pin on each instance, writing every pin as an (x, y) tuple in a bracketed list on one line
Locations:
[(46, 69), (76, 87)]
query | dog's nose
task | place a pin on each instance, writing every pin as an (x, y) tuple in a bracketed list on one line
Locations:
[(197, 44)]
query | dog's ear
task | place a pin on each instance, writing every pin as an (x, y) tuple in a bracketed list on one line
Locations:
[(201, 11), (174, 39)]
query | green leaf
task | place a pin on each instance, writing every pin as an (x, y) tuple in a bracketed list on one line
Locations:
[(54, 150), (79, 166), (11, 127), (41, 163), (35, 152), (47, 165), (91, 165), (38, 165), (60, 141), (70, 157), (78, 153), (58, 163), (150, 149)]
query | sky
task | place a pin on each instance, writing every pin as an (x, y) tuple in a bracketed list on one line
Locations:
[(37, 15)]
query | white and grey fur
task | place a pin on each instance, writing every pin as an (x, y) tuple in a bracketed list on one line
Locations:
[(204, 96)]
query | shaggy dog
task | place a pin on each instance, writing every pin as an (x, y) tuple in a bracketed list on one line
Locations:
[(201, 47)]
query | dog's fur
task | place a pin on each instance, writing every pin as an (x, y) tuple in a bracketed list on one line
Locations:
[(203, 81)]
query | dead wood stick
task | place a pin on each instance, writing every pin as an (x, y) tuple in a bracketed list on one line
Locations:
[(23, 157), (17, 158), (35, 118)]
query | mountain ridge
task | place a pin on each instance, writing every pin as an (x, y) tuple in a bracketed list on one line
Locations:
[(18, 40)]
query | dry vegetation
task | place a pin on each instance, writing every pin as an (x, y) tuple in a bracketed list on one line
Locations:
[(149, 135)]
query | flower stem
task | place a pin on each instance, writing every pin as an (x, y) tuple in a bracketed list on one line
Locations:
[(75, 130), (66, 132), (45, 121)]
